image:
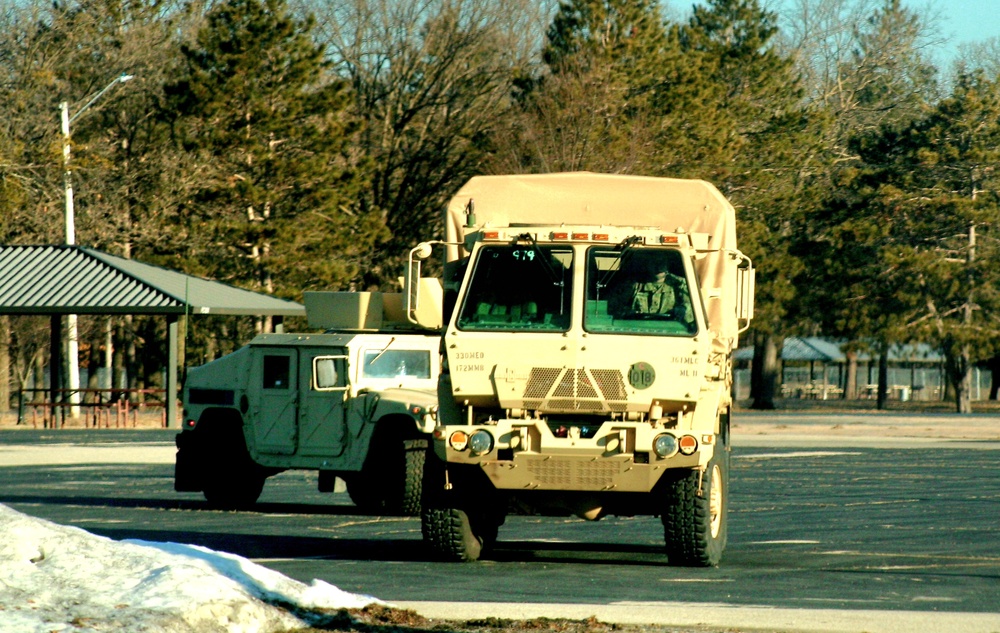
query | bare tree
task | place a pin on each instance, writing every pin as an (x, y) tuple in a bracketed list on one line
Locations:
[(431, 79), (866, 62)]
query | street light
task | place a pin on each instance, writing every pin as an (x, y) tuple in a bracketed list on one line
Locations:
[(72, 339), (67, 175)]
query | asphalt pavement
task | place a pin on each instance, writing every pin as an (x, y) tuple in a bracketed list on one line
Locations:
[(781, 431)]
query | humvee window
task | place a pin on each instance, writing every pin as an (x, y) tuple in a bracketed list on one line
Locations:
[(396, 362), (524, 288), (638, 292), (325, 373), (276, 372)]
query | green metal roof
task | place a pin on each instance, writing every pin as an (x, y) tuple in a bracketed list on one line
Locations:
[(79, 280)]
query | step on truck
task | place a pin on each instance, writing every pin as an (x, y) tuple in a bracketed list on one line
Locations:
[(590, 326), (354, 403)]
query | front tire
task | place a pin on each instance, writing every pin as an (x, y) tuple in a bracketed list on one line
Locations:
[(391, 480), (449, 533), (695, 525), (459, 524)]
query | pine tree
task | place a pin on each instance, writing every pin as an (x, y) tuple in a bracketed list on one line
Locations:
[(269, 135), (767, 161), (935, 196), (617, 94)]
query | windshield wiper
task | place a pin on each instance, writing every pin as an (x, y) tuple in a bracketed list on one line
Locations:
[(624, 248), (540, 256)]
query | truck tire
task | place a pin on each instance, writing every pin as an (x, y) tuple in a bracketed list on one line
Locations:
[(458, 525), (449, 533), (391, 480), (695, 525)]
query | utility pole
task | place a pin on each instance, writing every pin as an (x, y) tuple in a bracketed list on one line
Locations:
[(72, 334)]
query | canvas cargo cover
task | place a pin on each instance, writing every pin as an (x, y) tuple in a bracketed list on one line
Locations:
[(589, 199)]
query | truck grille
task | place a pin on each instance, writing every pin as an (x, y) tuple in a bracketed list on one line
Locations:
[(575, 474), (583, 390)]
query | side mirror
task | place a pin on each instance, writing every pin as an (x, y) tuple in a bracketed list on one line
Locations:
[(745, 283), (414, 287)]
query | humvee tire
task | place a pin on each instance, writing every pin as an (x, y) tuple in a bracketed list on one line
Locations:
[(458, 525), (232, 480), (391, 480), (695, 525), (237, 489)]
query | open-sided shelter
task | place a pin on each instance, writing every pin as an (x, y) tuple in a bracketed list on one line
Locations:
[(61, 280)]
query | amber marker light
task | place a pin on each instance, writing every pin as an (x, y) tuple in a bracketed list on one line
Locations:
[(687, 445), (669, 239), (459, 440), (601, 237), (581, 236), (562, 235), (491, 235)]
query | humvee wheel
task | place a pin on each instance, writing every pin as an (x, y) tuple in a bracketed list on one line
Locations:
[(231, 479), (391, 480), (695, 525), (236, 489)]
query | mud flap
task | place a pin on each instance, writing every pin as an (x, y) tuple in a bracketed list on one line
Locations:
[(189, 470)]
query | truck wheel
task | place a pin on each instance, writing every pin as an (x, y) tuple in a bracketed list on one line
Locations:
[(449, 533), (694, 525), (458, 525), (391, 480)]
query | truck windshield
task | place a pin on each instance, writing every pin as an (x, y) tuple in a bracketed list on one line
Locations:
[(519, 288), (640, 291)]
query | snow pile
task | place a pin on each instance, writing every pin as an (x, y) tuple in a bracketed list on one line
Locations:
[(58, 578)]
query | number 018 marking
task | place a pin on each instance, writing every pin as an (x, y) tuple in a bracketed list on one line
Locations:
[(641, 375)]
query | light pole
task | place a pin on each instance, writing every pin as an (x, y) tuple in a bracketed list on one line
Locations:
[(72, 341)]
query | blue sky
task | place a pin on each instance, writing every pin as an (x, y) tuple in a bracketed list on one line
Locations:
[(964, 21), (960, 21)]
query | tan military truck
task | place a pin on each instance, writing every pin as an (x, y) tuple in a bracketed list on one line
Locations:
[(355, 402), (591, 321)]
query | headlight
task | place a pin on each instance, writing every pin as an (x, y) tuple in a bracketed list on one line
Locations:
[(481, 442), (665, 445)]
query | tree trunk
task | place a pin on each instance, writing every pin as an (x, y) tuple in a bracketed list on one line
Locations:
[(765, 373), (883, 379), (993, 364), (93, 363), (963, 383), (851, 380)]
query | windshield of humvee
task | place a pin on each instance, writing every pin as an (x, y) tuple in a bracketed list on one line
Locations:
[(519, 288), (637, 291)]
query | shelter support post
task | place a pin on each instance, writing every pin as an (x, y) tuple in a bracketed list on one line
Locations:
[(171, 395), (55, 365)]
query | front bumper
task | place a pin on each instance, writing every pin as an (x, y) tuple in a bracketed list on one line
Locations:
[(526, 455)]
